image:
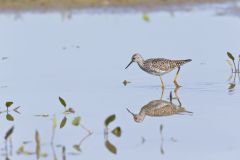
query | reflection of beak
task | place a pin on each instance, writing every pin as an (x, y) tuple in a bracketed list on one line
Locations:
[(130, 112), (129, 64)]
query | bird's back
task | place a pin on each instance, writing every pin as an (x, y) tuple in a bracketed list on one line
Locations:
[(158, 66), (161, 108)]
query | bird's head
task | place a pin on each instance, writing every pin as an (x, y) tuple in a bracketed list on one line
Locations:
[(137, 118), (135, 58)]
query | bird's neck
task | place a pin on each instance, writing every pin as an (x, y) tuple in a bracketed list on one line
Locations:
[(141, 116), (140, 63), (142, 113)]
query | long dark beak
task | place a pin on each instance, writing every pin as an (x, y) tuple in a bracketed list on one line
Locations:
[(129, 64), (130, 112)]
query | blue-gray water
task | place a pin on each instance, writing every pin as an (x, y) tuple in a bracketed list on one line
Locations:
[(83, 58)]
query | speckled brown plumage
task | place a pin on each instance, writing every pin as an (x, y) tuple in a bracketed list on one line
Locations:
[(158, 108), (161, 108), (160, 66)]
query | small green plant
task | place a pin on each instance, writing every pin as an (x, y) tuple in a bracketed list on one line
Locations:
[(9, 133), (109, 119), (77, 122), (235, 69), (77, 147), (68, 110), (38, 152), (8, 143), (8, 105), (145, 17), (116, 131)]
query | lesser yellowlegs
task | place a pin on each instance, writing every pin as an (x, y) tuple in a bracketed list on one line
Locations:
[(158, 108), (158, 66)]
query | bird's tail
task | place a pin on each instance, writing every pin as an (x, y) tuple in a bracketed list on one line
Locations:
[(187, 60), (179, 63), (186, 113)]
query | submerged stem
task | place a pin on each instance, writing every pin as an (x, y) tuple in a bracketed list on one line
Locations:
[(88, 130), (234, 65), (238, 63)]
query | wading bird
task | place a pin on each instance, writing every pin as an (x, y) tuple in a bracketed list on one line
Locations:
[(158, 66)]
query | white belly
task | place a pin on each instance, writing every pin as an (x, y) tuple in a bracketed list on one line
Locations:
[(161, 73)]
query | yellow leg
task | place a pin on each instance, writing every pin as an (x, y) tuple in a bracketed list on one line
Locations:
[(162, 83), (175, 79), (162, 93), (176, 95)]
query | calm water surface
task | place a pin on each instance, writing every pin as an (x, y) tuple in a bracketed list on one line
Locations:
[(83, 58)]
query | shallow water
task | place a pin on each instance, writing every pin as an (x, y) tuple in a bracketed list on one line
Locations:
[(83, 58)]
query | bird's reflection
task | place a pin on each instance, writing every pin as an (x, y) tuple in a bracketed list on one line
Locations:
[(158, 108)]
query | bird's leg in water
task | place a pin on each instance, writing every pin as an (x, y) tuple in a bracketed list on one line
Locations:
[(175, 78), (162, 82), (176, 95), (162, 94)]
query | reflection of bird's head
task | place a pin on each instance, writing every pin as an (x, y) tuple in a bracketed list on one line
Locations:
[(137, 118)]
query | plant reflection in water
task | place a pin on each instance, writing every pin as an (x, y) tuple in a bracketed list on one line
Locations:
[(235, 71)]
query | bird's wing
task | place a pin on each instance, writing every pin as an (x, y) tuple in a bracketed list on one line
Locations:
[(158, 64)]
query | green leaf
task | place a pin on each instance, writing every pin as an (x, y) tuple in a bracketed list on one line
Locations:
[(77, 147), (8, 104), (62, 101), (110, 147), (21, 150), (38, 144), (230, 56), (146, 17), (231, 86), (63, 122), (109, 119), (54, 122), (76, 121), (117, 131), (230, 63), (9, 117), (9, 133)]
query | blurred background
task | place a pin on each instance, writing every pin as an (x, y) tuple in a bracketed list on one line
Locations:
[(64, 89)]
